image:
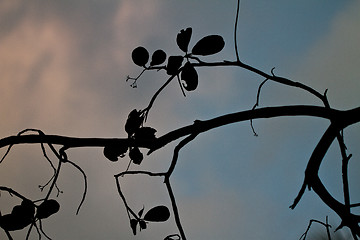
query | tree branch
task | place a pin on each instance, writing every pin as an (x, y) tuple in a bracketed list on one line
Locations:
[(351, 116), (313, 181)]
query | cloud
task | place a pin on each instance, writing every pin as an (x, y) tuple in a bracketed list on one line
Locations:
[(62, 69), (63, 72), (332, 62)]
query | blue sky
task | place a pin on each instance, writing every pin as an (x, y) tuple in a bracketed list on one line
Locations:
[(63, 66)]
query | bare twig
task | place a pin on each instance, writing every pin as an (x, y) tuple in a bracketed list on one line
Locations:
[(326, 225), (85, 184), (257, 104), (235, 30)]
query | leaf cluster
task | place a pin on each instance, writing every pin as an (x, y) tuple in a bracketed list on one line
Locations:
[(137, 133), (180, 64), (156, 214), (28, 213)]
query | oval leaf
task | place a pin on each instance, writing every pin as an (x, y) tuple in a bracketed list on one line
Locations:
[(47, 208), (28, 207), (133, 122), (174, 63), (136, 156), (190, 77), (113, 151), (140, 56), (157, 214), (145, 133), (183, 39), (208, 45), (25, 209), (158, 57), (13, 222)]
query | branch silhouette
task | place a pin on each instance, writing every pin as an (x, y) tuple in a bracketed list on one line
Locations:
[(205, 125)]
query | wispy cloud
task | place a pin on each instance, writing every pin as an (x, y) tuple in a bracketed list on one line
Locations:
[(62, 69), (332, 62)]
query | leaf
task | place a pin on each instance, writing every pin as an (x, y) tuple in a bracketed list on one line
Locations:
[(133, 122), (208, 45), (22, 211), (140, 56), (142, 224), (133, 225), (183, 39), (135, 155), (174, 63), (113, 151), (189, 76), (157, 214), (20, 217), (28, 207), (158, 57), (145, 133), (141, 212), (47, 208), (173, 237), (17, 210), (13, 222)]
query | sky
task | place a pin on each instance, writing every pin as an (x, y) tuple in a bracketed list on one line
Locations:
[(63, 66)]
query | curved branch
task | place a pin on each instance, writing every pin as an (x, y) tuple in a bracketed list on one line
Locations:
[(267, 112), (349, 116), (272, 77), (85, 184), (147, 109), (13, 192), (313, 181)]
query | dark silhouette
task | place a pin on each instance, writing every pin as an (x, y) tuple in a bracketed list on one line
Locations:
[(140, 138)]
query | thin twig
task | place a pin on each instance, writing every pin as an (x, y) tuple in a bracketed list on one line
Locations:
[(8, 235), (235, 30), (175, 209), (85, 184), (167, 180), (152, 100), (326, 225), (134, 83), (257, 104), (128, 209)]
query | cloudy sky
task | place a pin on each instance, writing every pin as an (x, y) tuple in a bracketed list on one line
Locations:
[(63, 66)]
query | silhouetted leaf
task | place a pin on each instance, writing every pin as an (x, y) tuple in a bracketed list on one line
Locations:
[(142, 224), (25, 210), (112, 152), (174, 63), (157, 214), (133, 122), (173, 237), (140, 56), (183, 39), (28, 207), (47, 208), (141, 212), (135, 155), (145, 133), (189, 76), (17, 210), (13, 222), (20, 217), (133, 225), (158, 57), (208, 45)]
